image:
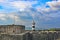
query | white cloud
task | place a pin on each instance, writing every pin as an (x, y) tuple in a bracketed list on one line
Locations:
[(22, 4), (51, 12), (47, 13), (6, 16), (40, 13), (12, 16), (3, 0), (54, 5), (2, 17)]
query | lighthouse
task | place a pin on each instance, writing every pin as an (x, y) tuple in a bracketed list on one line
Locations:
[(33, 25)]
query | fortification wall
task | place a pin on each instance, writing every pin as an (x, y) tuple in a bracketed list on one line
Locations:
[(13, 36), (31, 36), (10, 29)]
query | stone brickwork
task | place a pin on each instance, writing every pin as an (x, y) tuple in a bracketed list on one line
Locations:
[(18, 32), (45, 36), (12, 29), (31, 36), (21, 36)]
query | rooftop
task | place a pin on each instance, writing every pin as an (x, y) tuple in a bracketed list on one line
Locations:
[(11, 25)]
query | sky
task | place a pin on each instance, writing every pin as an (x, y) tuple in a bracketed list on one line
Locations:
[(45, 13)]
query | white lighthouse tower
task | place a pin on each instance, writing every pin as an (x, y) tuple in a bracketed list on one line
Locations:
[(33, 25)]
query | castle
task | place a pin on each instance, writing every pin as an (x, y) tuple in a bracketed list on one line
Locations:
[(18, 32), (12, 29)]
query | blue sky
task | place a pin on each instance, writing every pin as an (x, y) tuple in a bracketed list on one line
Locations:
[(46, 13)]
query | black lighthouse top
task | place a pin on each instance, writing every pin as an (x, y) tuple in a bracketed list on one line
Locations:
[(33, 23)]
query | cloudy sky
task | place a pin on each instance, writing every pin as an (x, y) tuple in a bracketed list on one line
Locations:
[(46, 13)]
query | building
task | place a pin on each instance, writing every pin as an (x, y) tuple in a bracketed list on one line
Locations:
[(12, 29), (18, 32), (33, 25)]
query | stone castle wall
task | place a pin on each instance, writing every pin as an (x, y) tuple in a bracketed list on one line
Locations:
[(18, 32), (31, 36), (10, 29)]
